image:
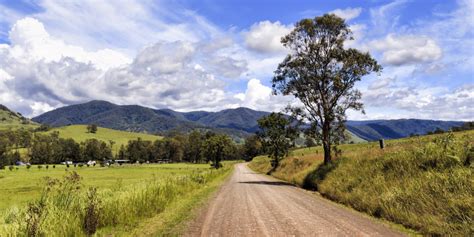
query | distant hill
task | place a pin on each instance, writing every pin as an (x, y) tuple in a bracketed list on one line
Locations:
[(10, 119), (79, 134), (239, 122), (392, 129)]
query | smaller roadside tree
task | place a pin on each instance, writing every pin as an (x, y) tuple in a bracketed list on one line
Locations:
[(277, 135), (252, 147), (215, 148), (91, 128)]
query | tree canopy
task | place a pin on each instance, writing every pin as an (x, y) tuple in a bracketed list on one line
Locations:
[(321, 73)]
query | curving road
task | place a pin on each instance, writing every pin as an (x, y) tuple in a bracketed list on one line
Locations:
[(251, 204)]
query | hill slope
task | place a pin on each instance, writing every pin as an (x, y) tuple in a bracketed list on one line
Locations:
[(239, 122), (10, 119), (392, 129), (79, 134)]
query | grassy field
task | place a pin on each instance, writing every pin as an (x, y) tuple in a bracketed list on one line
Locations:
[(424, 183), (79, 134), (126, 196), (17, 187)]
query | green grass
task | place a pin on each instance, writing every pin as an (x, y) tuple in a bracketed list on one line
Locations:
[(13, 121), (421, 183), (17, 187), (127, 196), (79, 134)]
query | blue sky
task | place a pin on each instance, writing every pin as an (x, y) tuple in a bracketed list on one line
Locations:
[(212, 55)]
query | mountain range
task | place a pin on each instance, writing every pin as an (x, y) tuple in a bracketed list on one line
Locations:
[(238, 122)]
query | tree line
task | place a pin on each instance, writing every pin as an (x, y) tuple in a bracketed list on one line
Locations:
[(196, 147)]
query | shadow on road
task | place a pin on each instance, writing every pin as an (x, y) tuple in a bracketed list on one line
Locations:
[(276, 183)]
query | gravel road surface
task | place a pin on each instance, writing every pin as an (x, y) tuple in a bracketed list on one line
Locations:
[(252, 204)]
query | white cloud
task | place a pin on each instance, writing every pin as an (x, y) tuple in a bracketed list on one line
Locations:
[(422, 102), (31, 42), (260, 97), (407, 49), (39, 72), (348, 13), (385, 18), (265, 36)]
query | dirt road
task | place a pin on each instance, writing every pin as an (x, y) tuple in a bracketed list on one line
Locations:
[(251, 204)]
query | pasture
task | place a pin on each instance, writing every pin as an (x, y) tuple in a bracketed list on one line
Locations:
[(17, 187), (124, 196), (79, 134)]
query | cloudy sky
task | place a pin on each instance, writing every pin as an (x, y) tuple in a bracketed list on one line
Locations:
[(212, 54)]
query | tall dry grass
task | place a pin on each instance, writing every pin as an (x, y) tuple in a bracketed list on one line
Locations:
[(425, 183), (65, 208)]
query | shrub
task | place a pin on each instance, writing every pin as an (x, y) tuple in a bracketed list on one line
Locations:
[(11, 167), (92, 212), (40, 166)]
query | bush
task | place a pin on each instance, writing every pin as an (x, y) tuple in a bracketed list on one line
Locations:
[(92, 212), (11, 167), (40, 166)]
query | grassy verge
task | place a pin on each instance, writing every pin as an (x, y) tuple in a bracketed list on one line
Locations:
[(172, 222), (426, 183), (66, 209)]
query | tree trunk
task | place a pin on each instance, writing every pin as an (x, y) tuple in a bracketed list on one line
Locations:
[(327, 152), (327, 142)]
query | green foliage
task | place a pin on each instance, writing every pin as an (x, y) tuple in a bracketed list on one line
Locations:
[(277, 135), (91, 128), (321, 73), (216, 148), (252, 147)]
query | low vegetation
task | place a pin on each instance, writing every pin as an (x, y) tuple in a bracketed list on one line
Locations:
[(67, 207), (425, 183)]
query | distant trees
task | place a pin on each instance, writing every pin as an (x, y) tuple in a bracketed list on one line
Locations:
[(464, 127), (193, 146), (91, 128), (277, 135), (216, 148), (3, 153), (321, 73), (252, 147), (93, 149), (46, 148)]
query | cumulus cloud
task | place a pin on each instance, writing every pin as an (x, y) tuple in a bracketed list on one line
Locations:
[(39, 72), (260, 97), (422, 102), (31, 42), (265, 36), (407, 49), (348, 13)]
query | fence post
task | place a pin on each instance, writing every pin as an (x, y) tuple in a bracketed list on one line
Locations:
[(382, 144)]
